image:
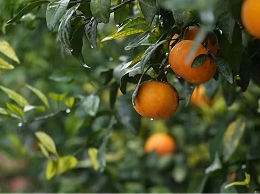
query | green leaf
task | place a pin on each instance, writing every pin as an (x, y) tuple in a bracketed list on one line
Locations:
[(179, 173), (69, 102), (216, 165), (15, 96), (149, 9), (106, 76), (199, 60), (91, 104), (202, 185), (183, 18), (44, 150), (231, 137), (113, 93), (64, 31), (224, 68), (92, 152), (123, 33), (188, 90), (30, 107), (5, 65), (226, 23), (139, 39), (57, 97), (40, 95), (54, 12), (8, 51), (51, 169), (47, 142), (4, 111), (100, 9), (16, 110), (26, 10), (139, 21), (91, 32), (127, 114), (122, 13), (137, 58)]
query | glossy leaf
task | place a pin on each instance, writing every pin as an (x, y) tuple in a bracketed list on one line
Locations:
[(64, 31), (15, 109), (40, 95), (137, 58), (139, 39), (8, 51), (15, 96), (100, 9), (69, 102), (123, 33), (55, 10), (226, 23), (91, 32), (216, 165), (149, 9), (183, 18), (139, 21), (199, 60), (231, 137), (47, 142), (30, 107), (5, 65), (26, 10), (224, 69), (127, 114), (92, 152), (122, 13), (51, 169)]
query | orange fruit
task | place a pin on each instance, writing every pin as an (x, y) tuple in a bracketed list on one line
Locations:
[(199, 98), (192, 33), (162, 143), (233, 176), (250, 15), (198, 75), (157, 100)]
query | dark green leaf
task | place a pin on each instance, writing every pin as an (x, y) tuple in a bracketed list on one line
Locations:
[(106, 76), (139, 39), (224, 69), (226, 23), (232, 137), (216, 142), (123, 33), (127, 114), (123, 83), (54, 12), (188, 90), (202, 185), (183, 18), (229, 92), (199, 60), (216, 165), (245, 71), (121, 14), (26, 10), (91, 104), (91, 32), (64, 31), (100, 9), (113, 93), (149, 9)]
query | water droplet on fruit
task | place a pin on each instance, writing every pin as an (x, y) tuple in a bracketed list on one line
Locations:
[(68, 110)]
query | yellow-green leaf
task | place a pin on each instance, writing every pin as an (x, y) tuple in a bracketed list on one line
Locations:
[(246, 182), (8, 51), (30, 107), (93, 157), (137, 58), (66, 163), (15, 109), (57, 97), (47, 142), (15, 96), (232, 137), (123, 33), (44, 150), (4, 111), (69, 102), (5, 65), (40, 95), (51, 169)]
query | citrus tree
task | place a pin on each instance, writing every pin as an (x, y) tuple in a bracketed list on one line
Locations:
[(130, 96)]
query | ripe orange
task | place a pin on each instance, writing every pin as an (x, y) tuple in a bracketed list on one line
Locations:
[(250, 15), (157, 100), (198, 75), (162, 143), (199, 98), (191, 34)]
